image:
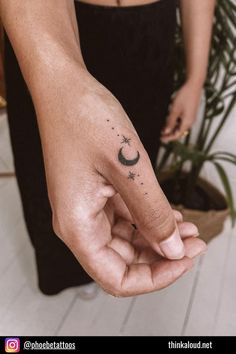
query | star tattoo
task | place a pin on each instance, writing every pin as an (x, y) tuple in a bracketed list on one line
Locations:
[(125, 140), (131, 175)]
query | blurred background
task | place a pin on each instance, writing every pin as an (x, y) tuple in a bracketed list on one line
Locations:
[(200, 303)]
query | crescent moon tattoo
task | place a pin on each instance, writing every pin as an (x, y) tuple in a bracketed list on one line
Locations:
[(126, 162)]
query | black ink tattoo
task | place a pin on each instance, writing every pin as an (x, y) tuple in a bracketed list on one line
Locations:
[(118, 2), (126, 140), (122, 159), (125, 161), (131, 175)]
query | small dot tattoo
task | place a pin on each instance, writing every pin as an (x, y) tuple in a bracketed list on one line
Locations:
[(142, 183), (108, 120), (112, 128)]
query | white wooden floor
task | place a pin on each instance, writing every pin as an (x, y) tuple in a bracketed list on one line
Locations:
[(201, 303)]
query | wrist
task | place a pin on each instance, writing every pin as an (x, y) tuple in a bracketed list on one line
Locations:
[(54, 72), (196, 83), (196, 79)]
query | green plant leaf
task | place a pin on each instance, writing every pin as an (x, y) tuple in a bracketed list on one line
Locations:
[(215, 108), (188, 153), (230, 94), (222, 154), (225, 159), (226, 153), (221, 124), (220, 99), (227, 7), (228, 192)]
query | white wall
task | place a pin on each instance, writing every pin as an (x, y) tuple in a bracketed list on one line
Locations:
[(225, 142)]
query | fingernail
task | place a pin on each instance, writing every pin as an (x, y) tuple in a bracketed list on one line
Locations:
[(173, 247)]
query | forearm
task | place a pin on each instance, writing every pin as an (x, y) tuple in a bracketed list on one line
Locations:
[(197, 19), (44, 35)]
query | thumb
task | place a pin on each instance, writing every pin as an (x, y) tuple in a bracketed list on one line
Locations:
[(132, 175)]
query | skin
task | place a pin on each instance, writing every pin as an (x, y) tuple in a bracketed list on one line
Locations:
[(197, 19), (95, 195)]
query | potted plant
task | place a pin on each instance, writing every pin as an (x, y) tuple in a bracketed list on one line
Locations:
[(181, 162)]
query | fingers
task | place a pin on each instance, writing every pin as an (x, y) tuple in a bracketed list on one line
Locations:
[(180, 119), (188, 229), (178, 216), (194, 247), (123, 229), (183, 129), (143, 278), (145, 254), (118, 278), (151, 274), (123, 270), (179, 128), (180, 131), (133, 178), (172, 121), (124, 248), (183, 112)]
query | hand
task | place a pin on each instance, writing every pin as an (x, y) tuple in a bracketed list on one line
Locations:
[(100, 181), (146, 270), (183, 112)]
